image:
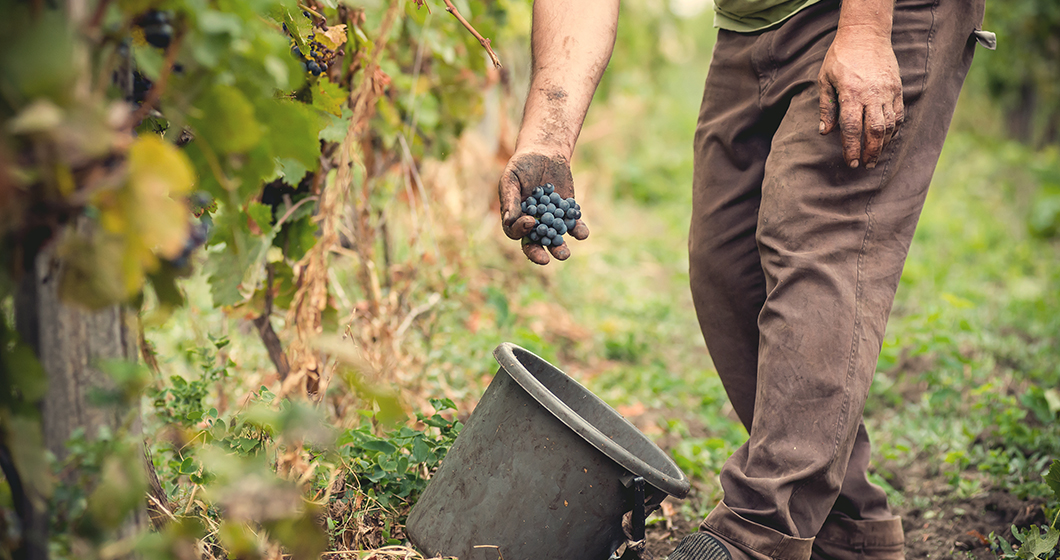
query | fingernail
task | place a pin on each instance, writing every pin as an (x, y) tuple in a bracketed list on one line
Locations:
[(820, 128), (854, 164), (871, 166)]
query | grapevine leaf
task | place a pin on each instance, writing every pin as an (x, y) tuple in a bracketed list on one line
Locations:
[(337, 126), (225, 120), (239, 268), (261, 214), (291, 170), (300, 233), (328, 96), (294, 131)]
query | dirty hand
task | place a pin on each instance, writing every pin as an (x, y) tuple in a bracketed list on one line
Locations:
[(861, 88), (527, 170)]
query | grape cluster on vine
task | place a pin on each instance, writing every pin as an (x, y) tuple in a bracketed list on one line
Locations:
[(553, 215), (317, 59), (158, 31)]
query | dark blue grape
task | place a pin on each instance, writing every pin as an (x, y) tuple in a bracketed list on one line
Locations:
[(542, 229), (551, 208), (522, 207), (551, 233), (561, 228), (538, 192), (547, 218), (154, 17), (569, 223), (542, 200), (563, 204), (577, 214), (549, 188), (558, 213), (158, 35), (555, 198), (546, 241), (314, 67), (558, 240), (531, 209), (534, 236)]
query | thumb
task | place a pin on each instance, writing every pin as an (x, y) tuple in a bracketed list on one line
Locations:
[(515, 224)]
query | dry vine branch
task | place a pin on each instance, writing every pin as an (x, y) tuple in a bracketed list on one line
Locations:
[(310, 299), (268, 335), (449, 7)]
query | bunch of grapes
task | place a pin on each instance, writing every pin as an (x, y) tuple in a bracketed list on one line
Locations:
[(317, 59), (553, 215), (158, 31)]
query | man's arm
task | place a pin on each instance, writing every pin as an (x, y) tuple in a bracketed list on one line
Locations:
[(571, 44), (860, 85)]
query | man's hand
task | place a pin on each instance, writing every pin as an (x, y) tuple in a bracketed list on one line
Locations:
[(526, 171), (861, 88)]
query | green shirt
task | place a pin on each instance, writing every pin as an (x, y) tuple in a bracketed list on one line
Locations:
[(755, 15)]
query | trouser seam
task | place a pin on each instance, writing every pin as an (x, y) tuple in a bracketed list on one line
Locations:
[(858, 286)]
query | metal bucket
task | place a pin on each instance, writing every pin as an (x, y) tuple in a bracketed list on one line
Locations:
[(542, 470)]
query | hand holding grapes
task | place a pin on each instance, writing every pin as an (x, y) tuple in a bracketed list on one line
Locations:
[(527, 171)]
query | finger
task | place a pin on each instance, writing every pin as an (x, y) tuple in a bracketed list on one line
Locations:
[(899, 110), (521, 227), (851, 116), (890, 122), (829, 107), (561, 252), (508, 190), (875, 129), (580, 231), (536, 253)]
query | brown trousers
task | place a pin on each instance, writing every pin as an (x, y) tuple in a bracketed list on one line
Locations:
[(794, 262)]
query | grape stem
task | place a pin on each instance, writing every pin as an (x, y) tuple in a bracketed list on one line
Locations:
[(449, 7)]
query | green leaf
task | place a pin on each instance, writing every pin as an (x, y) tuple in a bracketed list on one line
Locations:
[(1037, 544), (261, 214), (379, 445), (293, 131), (337, 126), (420, 451), (328, 96), (1052, 478), (225, 120), (443, 404), (187, 466)]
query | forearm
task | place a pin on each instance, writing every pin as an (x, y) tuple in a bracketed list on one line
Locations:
[(867, 16), (571, 44)]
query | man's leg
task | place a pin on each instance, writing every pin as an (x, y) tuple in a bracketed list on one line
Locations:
[(832, 243)]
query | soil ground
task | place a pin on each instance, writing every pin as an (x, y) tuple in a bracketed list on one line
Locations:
[(948, 528)]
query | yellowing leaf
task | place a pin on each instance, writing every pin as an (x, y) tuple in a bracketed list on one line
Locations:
[(333, 38), (157, 172)]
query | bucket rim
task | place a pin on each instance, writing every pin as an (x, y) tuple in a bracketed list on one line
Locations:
[(677, 486)]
